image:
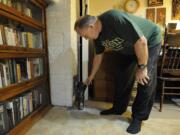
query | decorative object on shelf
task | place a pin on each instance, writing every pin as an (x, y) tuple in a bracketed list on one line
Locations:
[(161, 16), (155, 3), (150, 14), (176, 9), (131, 6)]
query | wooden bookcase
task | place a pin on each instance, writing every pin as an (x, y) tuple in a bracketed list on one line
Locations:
[(25, 16)]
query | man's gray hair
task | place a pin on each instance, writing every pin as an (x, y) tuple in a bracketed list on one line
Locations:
[(85, 21)]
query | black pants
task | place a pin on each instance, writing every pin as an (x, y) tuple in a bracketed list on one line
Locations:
[(143, 102)]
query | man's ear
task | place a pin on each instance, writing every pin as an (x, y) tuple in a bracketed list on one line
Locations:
[(91, 25)]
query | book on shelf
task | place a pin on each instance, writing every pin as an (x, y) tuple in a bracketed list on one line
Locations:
[(8, 72), (4, 125), (10, 34), (30, 40), (1, 84), (16, 109), (5, 2), (17, 113), (10, 113), (37, 40), (15, 37), (5, 72), (37, 64), (21, 66), (16, 4), (2, 35), (19, 70), (25, 111), (34, 67), (12, 71), (19, 5), (1, 40)]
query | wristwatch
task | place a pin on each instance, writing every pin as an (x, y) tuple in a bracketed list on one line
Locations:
[(142, 66)]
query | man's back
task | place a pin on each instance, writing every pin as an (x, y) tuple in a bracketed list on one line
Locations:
[(149, 29)]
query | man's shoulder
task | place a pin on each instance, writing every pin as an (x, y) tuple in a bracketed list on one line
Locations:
[(112, 12), (111, 15)]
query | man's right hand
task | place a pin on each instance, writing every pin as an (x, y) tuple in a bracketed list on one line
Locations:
[(96, 64), (89, 80)]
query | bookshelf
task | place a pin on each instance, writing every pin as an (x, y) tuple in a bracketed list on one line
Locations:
[(24, 69)]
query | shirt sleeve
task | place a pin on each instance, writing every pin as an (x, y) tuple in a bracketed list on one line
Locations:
[(98, 47)]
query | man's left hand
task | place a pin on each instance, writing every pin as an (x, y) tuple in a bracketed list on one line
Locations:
[(142, 76)]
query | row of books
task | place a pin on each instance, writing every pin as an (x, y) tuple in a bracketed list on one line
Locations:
[(18, 5), (18, 70), (14, 110), (15, 37)]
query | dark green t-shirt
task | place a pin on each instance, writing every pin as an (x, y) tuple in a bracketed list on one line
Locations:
[(121, 30)]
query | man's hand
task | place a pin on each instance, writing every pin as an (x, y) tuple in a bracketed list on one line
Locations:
[(96, 64), (89, 80), (142, 76)]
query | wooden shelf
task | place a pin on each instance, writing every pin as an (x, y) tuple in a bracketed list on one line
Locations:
[(19, 52), (17, 88), (13, 14), (10, 14), (29, 121), (173, 33), (40, 4)]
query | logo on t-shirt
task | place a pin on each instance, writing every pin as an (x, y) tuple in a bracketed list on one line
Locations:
[(114, 44)]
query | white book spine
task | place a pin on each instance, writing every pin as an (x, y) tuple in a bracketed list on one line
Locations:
[(13, 38), (21, 107), (1, 39), (29, 69), (5, 75), (1, 85)]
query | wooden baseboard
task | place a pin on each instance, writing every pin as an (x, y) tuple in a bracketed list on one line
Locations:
[(29, 121)]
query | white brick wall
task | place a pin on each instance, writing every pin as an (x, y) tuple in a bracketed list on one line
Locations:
[(62, 42)]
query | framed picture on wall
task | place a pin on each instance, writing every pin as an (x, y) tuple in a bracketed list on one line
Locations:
[(176, 9), (161, 16), (155, 3), (150, 14)]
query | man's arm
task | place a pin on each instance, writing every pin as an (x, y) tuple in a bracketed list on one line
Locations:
[(141, 51), (96, 64)]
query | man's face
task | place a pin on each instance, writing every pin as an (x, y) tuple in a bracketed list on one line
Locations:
[(89, 32)]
